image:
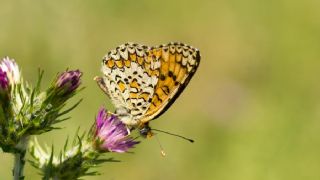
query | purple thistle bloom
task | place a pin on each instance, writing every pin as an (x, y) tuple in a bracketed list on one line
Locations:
[(112, 133), (69, 80), (4, 81), (12, 70)]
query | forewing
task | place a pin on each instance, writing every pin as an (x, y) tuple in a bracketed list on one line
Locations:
[(178, 64)]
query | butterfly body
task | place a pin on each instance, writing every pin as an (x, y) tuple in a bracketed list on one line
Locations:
[(143, 82)]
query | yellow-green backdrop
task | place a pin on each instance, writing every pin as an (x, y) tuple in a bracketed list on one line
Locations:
[(253, 107)]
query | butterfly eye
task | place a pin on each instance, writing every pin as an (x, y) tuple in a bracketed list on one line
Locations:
[(145, 131)]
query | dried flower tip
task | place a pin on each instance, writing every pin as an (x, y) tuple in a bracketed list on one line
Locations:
[(12, 69), (112, 133)]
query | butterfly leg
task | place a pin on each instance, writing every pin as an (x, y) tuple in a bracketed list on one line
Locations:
[(102, 85)]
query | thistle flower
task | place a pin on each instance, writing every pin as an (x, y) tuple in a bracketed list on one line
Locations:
[(4, 99), (112, 133), (69, 81), (4, 81), (12, 69)]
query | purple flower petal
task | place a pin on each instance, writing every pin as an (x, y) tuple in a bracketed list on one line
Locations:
[(4, 81), (113, 133)]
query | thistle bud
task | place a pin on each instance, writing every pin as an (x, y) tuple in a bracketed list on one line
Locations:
[(68, 81)]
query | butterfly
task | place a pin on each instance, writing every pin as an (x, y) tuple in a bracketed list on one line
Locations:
[(143, 82)]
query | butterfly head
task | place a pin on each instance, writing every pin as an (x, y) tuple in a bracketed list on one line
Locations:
[(145, 131)]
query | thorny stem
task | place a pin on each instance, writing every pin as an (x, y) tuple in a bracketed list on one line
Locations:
[(19, 159), (18, 165)]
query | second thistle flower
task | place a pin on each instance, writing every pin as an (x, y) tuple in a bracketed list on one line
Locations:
[(54, 100), (111, 134)]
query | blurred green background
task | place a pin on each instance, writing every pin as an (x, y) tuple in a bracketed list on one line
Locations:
[(253, 107)]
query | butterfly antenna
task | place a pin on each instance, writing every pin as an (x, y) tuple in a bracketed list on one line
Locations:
[(161, 148), (137, 137), (176, 135)]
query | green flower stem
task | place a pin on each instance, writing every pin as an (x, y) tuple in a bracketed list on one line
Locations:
[(19, 162), (19, 159)]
